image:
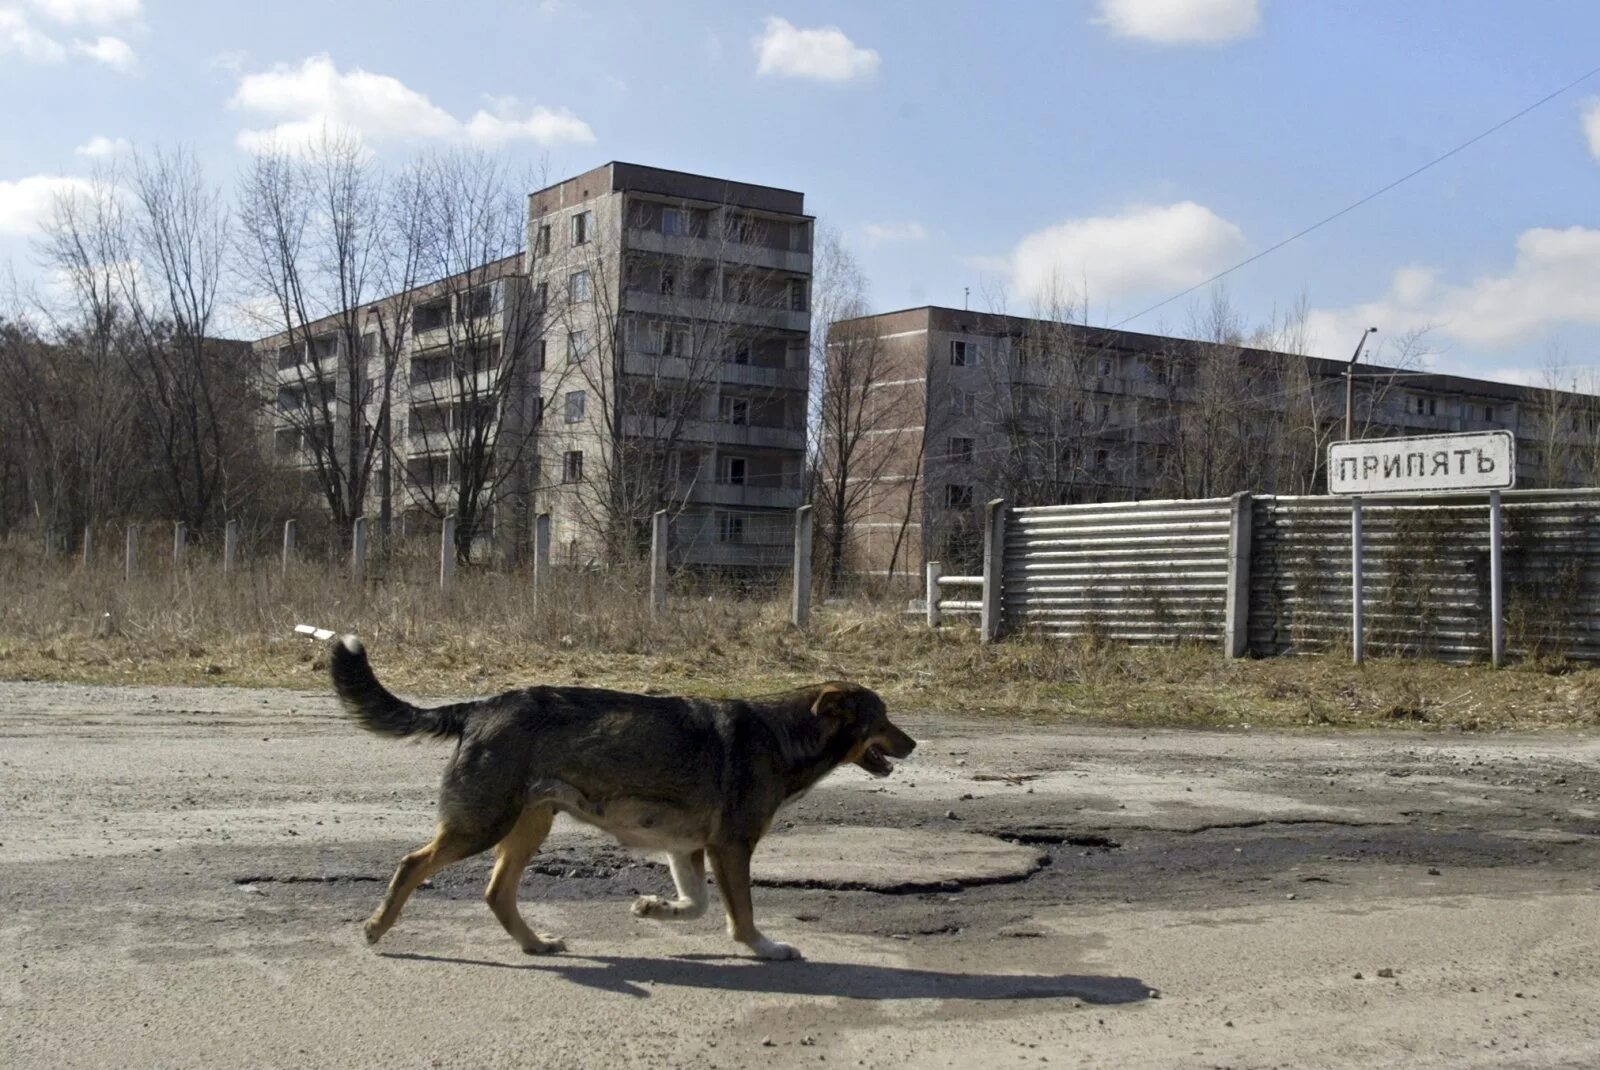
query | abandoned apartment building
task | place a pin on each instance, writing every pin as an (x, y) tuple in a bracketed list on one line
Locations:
[(972, 406), (647, 350)]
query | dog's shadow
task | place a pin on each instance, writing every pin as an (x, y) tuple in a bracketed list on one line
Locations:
[(628, 975)]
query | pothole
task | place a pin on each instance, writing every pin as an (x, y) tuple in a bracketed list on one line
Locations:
[(891, 861), (1053, 838)]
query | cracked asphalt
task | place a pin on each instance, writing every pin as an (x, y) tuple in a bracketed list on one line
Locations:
[(183, 873)]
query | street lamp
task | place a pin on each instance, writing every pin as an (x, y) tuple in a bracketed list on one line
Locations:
[(1350, 385)]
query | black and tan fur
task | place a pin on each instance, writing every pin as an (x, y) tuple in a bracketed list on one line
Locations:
[(695, 778)]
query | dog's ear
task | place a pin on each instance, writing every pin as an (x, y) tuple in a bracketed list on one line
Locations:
[(834, 703)]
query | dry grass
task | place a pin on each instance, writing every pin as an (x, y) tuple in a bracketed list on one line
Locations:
[(62, 623)]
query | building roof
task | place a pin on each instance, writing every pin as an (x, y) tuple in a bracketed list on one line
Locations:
[(941, 317)]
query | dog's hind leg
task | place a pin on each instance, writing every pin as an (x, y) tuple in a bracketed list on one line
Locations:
[(511, 858), (731, 864), (448, 845), (689, 875)]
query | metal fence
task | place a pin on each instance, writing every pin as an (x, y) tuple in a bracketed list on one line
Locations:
[(1426, 574), (1141, 571), (1271, 574)]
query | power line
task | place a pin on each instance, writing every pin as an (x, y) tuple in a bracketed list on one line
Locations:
[(1357, 204)]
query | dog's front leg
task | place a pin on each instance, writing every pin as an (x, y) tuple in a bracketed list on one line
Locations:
[(731, 864), (689, 875)]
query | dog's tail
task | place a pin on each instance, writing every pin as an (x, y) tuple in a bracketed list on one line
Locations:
[(380, 711)]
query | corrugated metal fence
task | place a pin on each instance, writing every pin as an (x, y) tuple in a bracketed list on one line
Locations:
[(1426, 574), (1271, 574), (1143, 571)]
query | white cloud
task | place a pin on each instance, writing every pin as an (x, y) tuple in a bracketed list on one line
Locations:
[(28, 203), (316, 96), (112, 51), (1181, 22), (884, 233), (1142, 251), (1549, 283), (19, 36), (824, 54), (100, 145), (88, 12), (1591, 127)]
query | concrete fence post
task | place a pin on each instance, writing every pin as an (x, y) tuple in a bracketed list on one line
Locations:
[(230, 547), (1236, 627), (130, 550), (88, 545), (358, 551), (994, 563), (288, 545), (180, 542), (800, 601), (541, 557), (658, 564), (447, 551), (934, 571)]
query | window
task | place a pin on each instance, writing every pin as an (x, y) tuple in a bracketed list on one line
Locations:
[(1101, 459), (963, 355), (669, 281), (733, 471), (958, 496), (572, 466), (1423, 406), (1488, 412), (673, 221), (740, 353), (541, 296), (577, 346), (289, 356), (735, 411), (538, 409), (541, 245), (475, 303), (797, 295), (739, 289), (579, 286), (731, 528), (431, 316), (538, 355), (582, 228), (963, 403), (961, 450), (576, 400), (1103, 366)]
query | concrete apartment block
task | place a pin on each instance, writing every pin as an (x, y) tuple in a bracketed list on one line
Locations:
[(972, 406)]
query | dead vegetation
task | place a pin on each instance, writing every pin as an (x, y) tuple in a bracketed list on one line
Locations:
[(60, 622)]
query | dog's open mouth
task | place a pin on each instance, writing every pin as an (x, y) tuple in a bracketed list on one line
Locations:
[(874, 761)]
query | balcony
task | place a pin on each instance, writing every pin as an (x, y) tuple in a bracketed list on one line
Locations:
[(652, 366), (702, 492), (712, 251), (723, 434), (772, 317)]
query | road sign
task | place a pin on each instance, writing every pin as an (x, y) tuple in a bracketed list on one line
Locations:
[(1477, 460)]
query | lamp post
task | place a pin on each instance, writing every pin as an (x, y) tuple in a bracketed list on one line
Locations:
[(1350, 385)]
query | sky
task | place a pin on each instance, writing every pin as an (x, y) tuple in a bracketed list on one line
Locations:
[(1113, 152)]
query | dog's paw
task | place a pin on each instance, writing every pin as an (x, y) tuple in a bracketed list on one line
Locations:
[(545, 944), (775, 950), (650, 906), (373, 931)]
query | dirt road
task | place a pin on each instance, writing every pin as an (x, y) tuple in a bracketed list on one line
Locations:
[(183, 874)]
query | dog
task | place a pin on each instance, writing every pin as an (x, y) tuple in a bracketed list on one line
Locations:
[(694, 778)]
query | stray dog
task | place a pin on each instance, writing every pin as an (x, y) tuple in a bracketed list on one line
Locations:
[(691, 777)]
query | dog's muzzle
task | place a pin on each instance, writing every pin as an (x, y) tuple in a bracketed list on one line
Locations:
[(892, 744)]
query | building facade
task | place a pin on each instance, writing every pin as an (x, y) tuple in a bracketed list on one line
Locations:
[(647, 350), (675, 352), (967, 406)]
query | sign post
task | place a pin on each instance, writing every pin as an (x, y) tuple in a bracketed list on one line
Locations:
[(1478, 460)]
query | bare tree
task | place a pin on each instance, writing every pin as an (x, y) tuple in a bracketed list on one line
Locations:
[(330, 250), (473, 410), (144, 263)]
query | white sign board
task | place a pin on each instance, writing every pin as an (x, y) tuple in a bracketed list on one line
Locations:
[(1477, 460)]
